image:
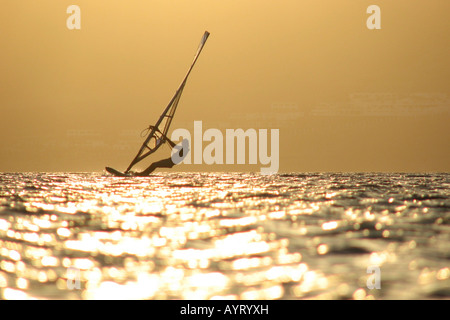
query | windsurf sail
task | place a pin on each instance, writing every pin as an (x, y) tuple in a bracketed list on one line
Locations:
[(157, 137)]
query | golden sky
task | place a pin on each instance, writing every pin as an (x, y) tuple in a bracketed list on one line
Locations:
[(345, 98)]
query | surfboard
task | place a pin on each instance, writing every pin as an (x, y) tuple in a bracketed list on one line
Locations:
[(117, 173)]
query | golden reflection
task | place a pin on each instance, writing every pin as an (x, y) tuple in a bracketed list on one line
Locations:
[(3, 280), (322, 249), (443, 274), (42, 276), (379, 258), (63, 232), (14, 294), (4, 225), (22, 283), (270, 293), (330, 225), (426, 276), (310, 281), (359, 294), (229, 241), (249, 263), (225, 297)]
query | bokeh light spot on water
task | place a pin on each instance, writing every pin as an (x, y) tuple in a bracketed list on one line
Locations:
[(223, 236)]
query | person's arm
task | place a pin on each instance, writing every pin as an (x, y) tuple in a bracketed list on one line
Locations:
[(164, 137), (172, 144)]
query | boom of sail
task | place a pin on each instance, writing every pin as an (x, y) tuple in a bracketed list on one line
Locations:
[(157, 137)]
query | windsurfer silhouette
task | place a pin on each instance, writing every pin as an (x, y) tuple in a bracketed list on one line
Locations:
[(176, 157)]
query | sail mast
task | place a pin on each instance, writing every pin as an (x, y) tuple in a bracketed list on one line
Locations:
[(172, 104)]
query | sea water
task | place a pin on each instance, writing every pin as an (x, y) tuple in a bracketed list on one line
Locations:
[(225, 236)]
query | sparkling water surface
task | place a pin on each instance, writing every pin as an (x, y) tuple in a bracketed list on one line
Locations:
[(224, 236)]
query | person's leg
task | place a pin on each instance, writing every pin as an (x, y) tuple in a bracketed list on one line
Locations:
[(165, 163)]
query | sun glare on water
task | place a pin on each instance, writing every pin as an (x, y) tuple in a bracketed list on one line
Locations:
[(192, 236)]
